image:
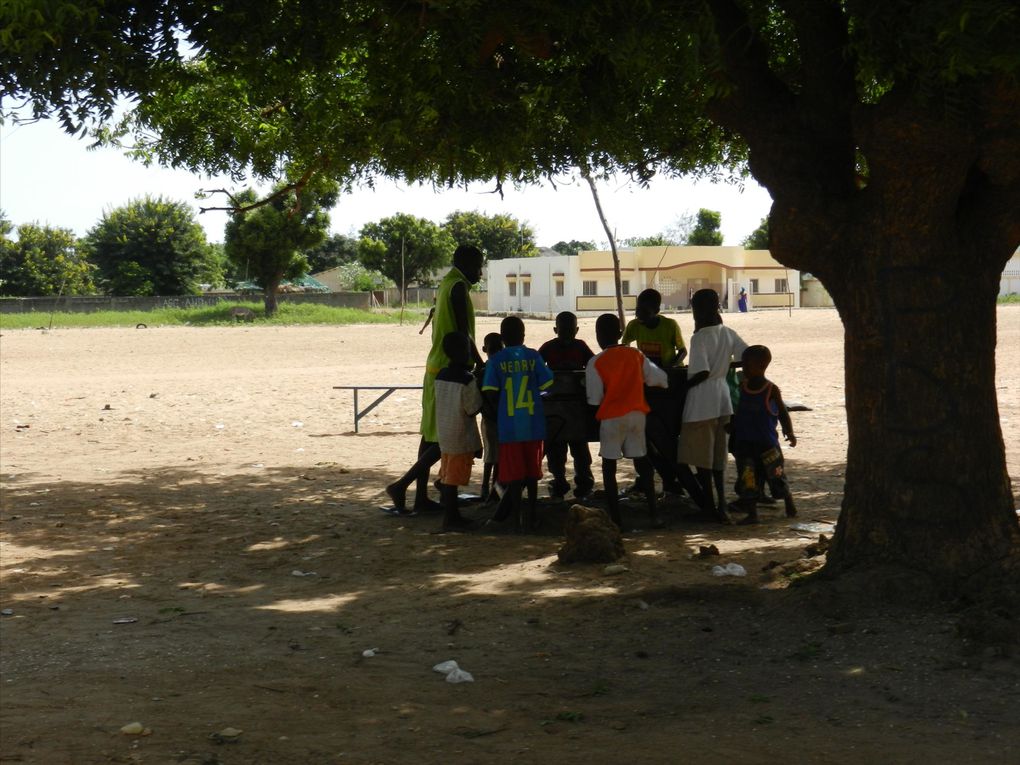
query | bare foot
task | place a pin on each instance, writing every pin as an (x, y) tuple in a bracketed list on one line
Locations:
[(399, 497), (750, 520)]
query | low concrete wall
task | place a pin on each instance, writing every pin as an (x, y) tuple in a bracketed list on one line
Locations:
[(93, 303)]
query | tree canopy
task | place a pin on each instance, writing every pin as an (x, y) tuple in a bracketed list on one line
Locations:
[(151, 246), (706, 228), (42, 261), (405, 248), (497, 236), (759, 238), (572, 247)]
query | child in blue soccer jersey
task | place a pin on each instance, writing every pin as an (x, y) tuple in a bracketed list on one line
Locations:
[(514, 380)]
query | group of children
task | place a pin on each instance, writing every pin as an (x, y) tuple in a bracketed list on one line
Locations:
[(508, 394)]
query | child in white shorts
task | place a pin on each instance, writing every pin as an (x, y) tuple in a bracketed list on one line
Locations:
[(615, 380)]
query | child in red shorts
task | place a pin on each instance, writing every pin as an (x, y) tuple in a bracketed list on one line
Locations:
[(514, 380)]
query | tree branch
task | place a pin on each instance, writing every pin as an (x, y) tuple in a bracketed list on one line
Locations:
[(238, 208), (797, 140)]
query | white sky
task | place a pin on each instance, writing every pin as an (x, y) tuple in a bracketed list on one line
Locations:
[(50, 178)]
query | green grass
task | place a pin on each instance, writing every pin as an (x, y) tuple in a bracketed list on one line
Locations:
[(218, 315), (1009, 299)]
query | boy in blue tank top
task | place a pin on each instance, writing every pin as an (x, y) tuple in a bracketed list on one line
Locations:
[(755, 441)]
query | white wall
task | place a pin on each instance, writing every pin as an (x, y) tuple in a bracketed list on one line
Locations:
[(543, 298), (1009, 283)]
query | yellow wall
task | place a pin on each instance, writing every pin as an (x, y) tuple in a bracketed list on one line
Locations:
[(604, 303), (774, 300)]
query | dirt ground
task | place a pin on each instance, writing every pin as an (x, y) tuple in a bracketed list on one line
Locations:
[(191, 541)]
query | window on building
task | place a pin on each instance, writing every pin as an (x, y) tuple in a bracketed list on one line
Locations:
[(526, 289), (559, 288), (754, 286), (589, 288), (513, 288), (781, 285), (625, 286)]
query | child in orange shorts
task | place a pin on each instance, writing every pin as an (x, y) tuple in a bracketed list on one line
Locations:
[(458, 401)]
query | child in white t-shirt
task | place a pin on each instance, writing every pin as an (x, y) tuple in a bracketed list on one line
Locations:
[(708, 407)]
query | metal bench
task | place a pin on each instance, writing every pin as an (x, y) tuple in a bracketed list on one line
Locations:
[(388, 390)]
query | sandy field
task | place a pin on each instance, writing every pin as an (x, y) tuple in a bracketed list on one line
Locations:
[(191, 541)]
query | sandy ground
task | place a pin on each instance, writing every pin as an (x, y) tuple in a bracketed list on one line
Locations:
[(191, 540)]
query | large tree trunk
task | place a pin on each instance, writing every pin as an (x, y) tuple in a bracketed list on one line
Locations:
[(926, 480), (914, 273)]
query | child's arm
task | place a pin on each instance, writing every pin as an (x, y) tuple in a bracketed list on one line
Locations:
[(472, 399), (491, 384), (678, 344), (784, 416), (698, 367), (593, 386), (654, 376)]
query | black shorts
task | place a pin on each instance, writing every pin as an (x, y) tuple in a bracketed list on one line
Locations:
[(756, 465)]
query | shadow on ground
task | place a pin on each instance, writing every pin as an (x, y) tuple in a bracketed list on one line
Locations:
[(194, 601)]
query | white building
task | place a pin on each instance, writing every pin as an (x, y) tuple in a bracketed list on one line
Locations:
[(584, 283), (1009, 283)]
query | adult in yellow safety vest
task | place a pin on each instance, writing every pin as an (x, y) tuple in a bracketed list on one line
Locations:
[(453, 313)]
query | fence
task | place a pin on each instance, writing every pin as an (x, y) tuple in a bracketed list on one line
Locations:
[(93, 303), (391, 295)]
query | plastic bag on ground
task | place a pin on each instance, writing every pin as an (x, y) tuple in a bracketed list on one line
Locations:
[(730, 569)]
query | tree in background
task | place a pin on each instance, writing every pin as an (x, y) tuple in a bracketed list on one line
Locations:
[(572, 247), (426, 247), (220, 267), (759, 238), (706, 229), (497, 236), (151, 246), (356, 278), (655, 240), (266, 243), (335, 250), (42, 261)]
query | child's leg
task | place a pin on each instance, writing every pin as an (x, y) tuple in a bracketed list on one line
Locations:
[(556, 459), (612, 492), (452, 519), (646, 476), (791, 511), (510, 503), (717, 479), (428, 455), (746, 486), (584, 481), (529, 520), (486, 476), (705, 478), (693, 487)]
